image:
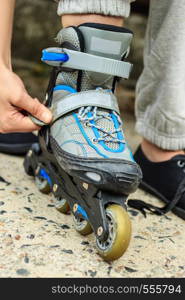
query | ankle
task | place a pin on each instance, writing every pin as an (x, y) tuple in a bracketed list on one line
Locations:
[(76, 20), (156, 154)]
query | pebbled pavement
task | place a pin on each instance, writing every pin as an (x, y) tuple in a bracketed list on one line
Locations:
[(38, 241)]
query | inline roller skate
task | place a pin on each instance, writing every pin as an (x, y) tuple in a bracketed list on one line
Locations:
[(82, 157)]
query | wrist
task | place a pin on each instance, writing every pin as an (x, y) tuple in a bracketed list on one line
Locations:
[(5, 60), (5, 64)]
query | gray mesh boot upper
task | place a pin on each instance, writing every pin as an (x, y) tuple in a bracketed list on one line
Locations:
[(86, 114)]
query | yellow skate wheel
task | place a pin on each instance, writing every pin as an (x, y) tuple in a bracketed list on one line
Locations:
[(42, 185), (82, 226), (62, 206), (119, 233)]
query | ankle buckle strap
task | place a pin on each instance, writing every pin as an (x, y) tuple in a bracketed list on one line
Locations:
[(83, 61)]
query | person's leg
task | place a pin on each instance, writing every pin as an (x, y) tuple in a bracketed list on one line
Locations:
[(115, 8), (76, 20), (160, 104), (86, 136), (73, 13), (76, 12)]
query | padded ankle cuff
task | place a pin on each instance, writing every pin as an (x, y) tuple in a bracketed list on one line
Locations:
[(119, 8)]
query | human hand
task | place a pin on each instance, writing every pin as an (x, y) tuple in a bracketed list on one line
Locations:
[(14, 99)]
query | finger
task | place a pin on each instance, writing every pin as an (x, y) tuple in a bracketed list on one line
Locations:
[(35, 108), (23, 125)]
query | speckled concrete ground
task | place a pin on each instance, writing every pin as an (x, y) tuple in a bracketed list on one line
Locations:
[(37, 241)]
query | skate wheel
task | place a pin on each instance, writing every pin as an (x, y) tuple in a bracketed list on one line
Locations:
[(62, 206), (82, 226), (42, 185), (27, 165), (119, 234)]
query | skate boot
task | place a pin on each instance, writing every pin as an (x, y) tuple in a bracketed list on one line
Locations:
[(82, 157)]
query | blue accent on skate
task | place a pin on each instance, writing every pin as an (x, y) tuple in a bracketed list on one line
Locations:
[(54, 56), (86, 137), (119, 135), (77, 143), (64, 88), (44, 175), (80, 211)]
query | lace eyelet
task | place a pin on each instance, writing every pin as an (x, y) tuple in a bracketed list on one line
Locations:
[(86, 124), (180, 164), (94, 140)]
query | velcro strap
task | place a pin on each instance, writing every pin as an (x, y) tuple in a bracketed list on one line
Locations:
[(87, 62), (37, 121), (72, 102)]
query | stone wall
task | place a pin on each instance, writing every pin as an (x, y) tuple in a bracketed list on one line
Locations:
[(35, 27)]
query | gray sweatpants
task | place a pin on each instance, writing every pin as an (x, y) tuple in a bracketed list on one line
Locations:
[(160, 101)]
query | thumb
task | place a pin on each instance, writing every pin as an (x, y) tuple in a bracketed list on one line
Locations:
[(35, 108)]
